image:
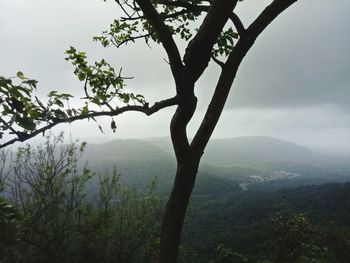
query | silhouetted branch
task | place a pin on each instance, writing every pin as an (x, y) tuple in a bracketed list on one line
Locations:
[(238, 24), (164, 34), (229, 71), (22, 136)]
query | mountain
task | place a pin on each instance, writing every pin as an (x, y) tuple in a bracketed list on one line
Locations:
[(256, 150), (241, 159), (138, 161), (129, 150)]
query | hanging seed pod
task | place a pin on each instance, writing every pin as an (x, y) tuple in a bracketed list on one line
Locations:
[(113, 126)]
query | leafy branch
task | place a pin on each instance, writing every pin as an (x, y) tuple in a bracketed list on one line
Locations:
[(23, 115)]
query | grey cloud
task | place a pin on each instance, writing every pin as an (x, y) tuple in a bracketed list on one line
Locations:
[(320, 128), (301, 60), (294, 83)]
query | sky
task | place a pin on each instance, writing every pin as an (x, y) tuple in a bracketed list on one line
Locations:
[(294, 84)]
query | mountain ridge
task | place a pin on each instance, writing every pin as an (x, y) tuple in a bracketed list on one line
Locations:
[(236, 159), (256, 151)]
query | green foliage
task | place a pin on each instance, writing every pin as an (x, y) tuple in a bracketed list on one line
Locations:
[(7, 212), (62, 222), (10, 217), (262, 225), (104, 82), (10, 220), (119, 33), (338, 241), (16, 103), (135, 26), (227, 255), (295, 240), (225, 43), (22, 113), (125, 224), (180, 18)]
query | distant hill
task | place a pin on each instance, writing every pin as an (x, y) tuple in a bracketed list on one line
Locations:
[(260, 151), (233, 159), (130, 149), (236, 151), (138, 161), (257, 150)]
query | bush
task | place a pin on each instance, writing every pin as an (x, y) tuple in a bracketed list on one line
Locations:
[(62, 223)]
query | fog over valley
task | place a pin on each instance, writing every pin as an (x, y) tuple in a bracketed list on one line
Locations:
[(293, 85)]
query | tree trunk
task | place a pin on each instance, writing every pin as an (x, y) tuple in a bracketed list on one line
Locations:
[(175, 211)]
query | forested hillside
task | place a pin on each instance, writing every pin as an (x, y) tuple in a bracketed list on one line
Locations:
[(241, 159), (242, 185), (241, 220), (53, 206)]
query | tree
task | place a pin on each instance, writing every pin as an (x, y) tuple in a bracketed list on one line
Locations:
[(212, 31), (295, 240), (10, 220), (47, 186), (228, 255)]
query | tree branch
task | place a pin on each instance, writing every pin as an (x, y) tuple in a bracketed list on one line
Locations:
[(132, 39), (217, 61), (187, 8), (165, 36), (229, 71), (237, 23), (198, 52), (185, 4), (21, 136), (8, 126), (267, 16)]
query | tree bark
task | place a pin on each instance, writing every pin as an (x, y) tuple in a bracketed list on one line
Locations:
[(175, 212), (187, 167)]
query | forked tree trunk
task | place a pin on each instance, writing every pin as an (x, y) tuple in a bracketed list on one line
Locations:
[(188, 155)]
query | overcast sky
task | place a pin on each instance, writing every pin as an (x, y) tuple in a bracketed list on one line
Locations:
[(294, 84)]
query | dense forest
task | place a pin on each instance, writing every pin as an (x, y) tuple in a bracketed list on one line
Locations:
[(54, 208)]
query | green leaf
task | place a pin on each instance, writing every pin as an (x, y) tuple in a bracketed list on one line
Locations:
[(26, 123), (20, 75), (85, 110), (59, 103)]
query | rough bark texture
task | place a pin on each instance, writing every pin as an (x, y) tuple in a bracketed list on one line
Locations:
[(175, 212)]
